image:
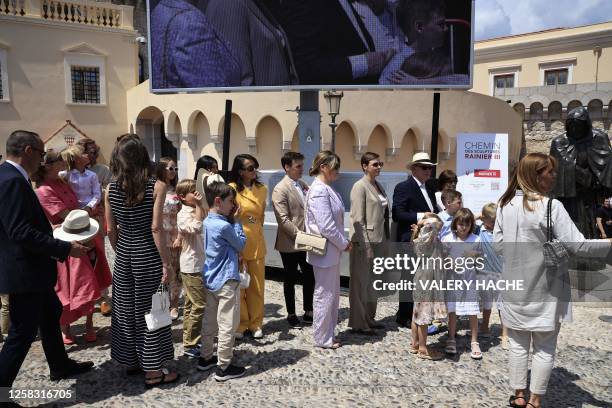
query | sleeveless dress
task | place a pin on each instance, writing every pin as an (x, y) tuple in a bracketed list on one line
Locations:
[(136, 277)]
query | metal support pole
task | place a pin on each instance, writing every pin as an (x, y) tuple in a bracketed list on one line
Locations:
[(309, 123), (227, 130), (333, 126), (435, 124)]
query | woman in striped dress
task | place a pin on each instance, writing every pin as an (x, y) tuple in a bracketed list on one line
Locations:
[(134, 204)]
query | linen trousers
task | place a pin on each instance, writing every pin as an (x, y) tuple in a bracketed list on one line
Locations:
[(362, 297), (326, 303), (544, 348), (193, 308), (221, 319), (252, 298)]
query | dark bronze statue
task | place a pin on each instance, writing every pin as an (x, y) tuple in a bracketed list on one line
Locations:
[(584, 173)]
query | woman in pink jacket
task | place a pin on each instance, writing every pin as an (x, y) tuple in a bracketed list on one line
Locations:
[(325, 216)]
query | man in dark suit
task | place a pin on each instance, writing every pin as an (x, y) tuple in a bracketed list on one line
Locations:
[(28, 271), (412, 200), (330, 43)]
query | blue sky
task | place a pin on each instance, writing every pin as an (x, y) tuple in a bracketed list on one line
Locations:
[(495, 18)]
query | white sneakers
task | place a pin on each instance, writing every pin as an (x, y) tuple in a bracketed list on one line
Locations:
[(258, 334)]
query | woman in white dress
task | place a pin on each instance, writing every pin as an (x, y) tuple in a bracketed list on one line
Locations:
[(534, 315)]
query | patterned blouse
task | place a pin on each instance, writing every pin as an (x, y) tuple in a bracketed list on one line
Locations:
[(172, 205)]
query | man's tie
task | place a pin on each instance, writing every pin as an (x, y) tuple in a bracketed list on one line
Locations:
[(362, 27)]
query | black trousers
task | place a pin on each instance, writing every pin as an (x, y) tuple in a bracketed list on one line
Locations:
[(291, 260), (29, 313)]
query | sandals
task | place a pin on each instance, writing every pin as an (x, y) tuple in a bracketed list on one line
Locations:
[(451, 347), (335, 345), (476, 354), (514, 404), (413, 349), (161, 379), (430, 355)]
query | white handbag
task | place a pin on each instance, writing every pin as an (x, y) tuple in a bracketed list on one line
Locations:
[(245, 278), (160, 310), (305, 241)]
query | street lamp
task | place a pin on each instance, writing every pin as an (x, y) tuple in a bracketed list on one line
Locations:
[(333, 106)]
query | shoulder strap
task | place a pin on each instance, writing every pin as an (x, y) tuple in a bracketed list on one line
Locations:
[(549, 236)]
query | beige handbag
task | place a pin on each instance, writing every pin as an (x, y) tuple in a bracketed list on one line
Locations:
[(305, 241)]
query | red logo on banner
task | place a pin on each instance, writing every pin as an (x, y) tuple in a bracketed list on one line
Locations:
[(487, 173)]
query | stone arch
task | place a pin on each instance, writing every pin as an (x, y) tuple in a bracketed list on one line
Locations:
[(405, 152), (520, 109), (346, 146), (595, 108), (573, 104), (555, 110), (174, 129), (295, 140), (239, 143), (150, 126), (199, 128), (378, 141), (536, 111), (269, 142)]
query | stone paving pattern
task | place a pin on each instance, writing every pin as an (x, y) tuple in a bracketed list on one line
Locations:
[(285, 370)]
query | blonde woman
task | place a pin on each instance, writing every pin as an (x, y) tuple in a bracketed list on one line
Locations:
[(534, 318), (325, 216)]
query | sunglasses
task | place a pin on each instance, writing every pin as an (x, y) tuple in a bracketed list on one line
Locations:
[(42, 153), (378, 164), (249, 168), (420, 166), (172, 168)]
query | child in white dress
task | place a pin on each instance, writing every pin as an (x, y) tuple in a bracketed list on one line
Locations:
[(462, 244)]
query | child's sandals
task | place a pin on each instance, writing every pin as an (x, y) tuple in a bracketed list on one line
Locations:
[(430, 355), (451, 346), (476, 354)]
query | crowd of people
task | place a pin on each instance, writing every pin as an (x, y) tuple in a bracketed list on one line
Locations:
[(203, 237)]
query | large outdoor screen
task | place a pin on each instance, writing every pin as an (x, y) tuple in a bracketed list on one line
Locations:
[(208, 45)]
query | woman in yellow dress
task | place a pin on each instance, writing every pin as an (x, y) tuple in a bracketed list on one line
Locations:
[(251, 197)]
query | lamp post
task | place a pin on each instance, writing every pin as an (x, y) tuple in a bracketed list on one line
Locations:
[(333, 99)]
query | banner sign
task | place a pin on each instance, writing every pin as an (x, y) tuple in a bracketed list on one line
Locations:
[(482, 168)]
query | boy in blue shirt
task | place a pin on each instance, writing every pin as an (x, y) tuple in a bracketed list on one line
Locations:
[(224, 241), (453, 200)]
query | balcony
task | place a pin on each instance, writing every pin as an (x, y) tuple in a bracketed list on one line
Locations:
[(74, 12)]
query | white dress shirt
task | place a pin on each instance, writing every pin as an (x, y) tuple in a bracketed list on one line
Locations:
[(425, 196), (298, 187), (86, 187)]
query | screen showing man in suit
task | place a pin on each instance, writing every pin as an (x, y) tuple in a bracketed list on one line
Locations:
[(293, 44)]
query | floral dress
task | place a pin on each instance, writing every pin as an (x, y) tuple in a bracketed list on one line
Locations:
[(429, 304), (172, 205)]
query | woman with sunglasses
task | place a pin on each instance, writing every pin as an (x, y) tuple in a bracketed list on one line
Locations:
[(80, 281), (369, 232), (166, 173), (251, 197)]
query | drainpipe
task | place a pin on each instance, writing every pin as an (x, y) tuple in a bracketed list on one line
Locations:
[(597, 52)]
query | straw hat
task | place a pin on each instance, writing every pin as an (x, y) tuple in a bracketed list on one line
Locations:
[(421, 158), (77, 226)]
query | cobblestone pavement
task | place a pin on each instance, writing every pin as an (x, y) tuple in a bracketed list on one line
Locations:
[(284, 369)]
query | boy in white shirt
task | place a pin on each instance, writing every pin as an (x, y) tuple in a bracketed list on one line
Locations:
[(189, 224)]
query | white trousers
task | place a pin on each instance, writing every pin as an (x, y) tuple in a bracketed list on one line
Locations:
[(326, 302), (544, 348)]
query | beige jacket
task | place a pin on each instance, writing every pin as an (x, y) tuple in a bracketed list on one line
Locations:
[(289, 211), (369, 219)]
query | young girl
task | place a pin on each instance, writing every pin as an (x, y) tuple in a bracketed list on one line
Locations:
[(491, 272), (428, 304), (166, 173), (83, 182), (462, 244)]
